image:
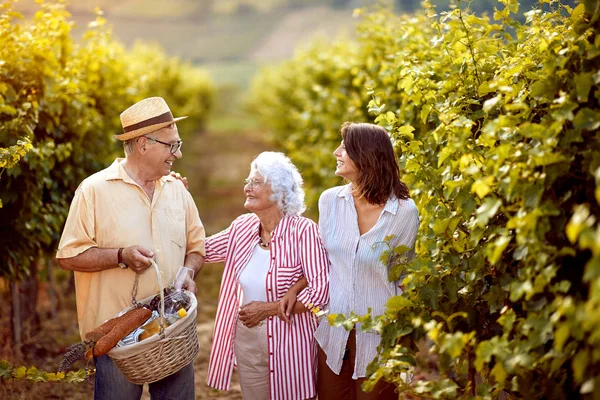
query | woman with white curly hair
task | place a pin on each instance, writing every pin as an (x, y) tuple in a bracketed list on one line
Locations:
[(267, 253)]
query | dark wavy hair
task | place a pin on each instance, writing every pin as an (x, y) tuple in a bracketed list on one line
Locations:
[(370, 149)]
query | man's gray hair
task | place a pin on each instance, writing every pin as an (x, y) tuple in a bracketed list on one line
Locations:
[(285, 181), (128, 146)]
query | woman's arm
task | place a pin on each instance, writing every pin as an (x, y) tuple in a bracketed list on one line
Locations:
[(288, 304), (315, 265), (216, 246)]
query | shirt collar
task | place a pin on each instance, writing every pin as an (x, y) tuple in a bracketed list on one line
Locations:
[(279, 229), (116, 172), (346, 192), (391, 205)]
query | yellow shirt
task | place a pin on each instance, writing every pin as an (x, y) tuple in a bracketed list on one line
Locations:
[(110, 210)]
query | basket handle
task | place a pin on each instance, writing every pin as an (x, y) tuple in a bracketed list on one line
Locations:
[(161, 293)]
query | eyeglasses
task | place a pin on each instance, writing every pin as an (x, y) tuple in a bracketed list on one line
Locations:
[(174, 147), (253, 183)]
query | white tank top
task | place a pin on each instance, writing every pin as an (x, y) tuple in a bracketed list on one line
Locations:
[(253, 277)]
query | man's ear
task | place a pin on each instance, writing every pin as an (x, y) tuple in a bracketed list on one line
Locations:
[(141, 145)]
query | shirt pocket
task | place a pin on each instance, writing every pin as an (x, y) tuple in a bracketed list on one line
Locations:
[(286, 277), (176, 221)]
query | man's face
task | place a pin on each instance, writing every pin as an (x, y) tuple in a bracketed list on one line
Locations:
[(158, 157)]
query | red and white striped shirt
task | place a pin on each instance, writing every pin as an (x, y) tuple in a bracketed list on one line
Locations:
[(296, 251)]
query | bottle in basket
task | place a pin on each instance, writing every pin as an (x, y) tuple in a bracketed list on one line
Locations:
[(153, 327), (175, 317)]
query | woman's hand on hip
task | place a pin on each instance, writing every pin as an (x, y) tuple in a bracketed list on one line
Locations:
[(253, 313)]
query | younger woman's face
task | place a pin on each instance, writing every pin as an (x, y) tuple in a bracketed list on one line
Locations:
[(345, 166)]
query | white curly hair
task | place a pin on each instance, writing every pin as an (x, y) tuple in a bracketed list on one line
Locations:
[(285, 181)]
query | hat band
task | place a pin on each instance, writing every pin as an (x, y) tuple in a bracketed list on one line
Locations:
[(166, 117)]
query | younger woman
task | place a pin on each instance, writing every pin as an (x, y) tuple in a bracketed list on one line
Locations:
[(354, 221)]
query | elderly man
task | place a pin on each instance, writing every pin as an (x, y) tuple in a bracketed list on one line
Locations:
[(120, 218)]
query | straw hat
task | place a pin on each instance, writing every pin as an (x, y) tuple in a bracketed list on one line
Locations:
[(146, 116)]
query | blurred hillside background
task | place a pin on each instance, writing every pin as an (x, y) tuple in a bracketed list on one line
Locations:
[(233, 38)]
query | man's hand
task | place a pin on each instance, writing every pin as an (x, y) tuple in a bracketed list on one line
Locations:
[(183, 179), (137, 258), (253, 313), (189, 284)]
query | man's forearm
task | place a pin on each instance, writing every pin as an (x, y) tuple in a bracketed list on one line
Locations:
[(194, 261), (91, 260)]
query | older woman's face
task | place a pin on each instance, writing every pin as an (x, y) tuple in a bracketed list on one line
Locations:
[(258, 193)]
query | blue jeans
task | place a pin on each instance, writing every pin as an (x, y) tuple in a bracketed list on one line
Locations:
[(111, 384)]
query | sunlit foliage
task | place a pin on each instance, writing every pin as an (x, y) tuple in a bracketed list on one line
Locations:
[(59, 108), (496, 128)]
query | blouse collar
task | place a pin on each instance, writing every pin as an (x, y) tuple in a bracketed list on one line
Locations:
[(391, 205)]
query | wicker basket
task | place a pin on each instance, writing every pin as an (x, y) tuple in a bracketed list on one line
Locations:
[(163, 354)]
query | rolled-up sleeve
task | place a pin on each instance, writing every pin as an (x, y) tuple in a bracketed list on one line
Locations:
[(196, 235), (79, 232), (315, 264)]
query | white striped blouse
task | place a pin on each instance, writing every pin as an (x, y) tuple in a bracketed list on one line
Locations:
[(296, 251), (358, 279)]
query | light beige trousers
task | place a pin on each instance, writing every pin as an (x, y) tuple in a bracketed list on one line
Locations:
[(252, 355)]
